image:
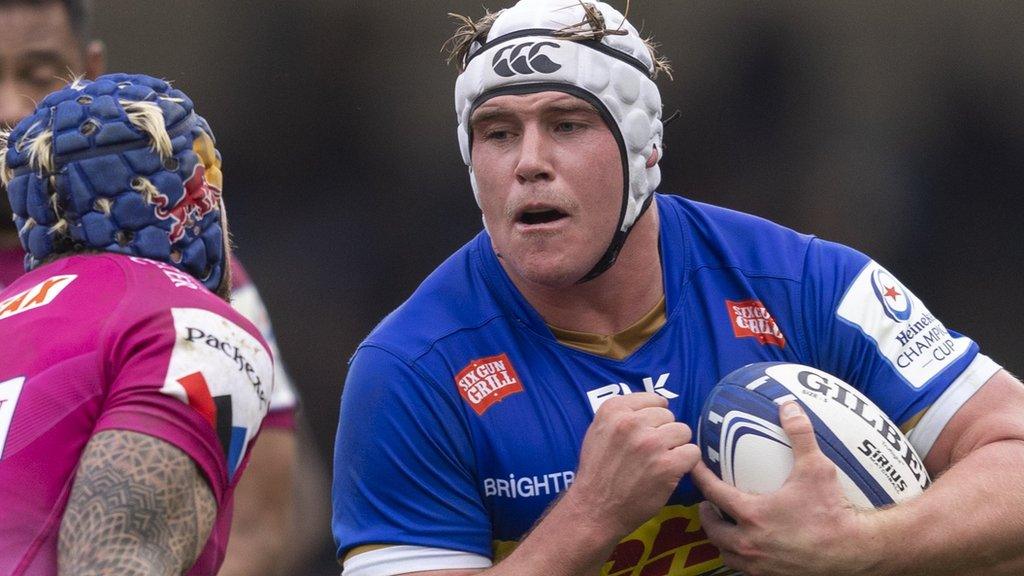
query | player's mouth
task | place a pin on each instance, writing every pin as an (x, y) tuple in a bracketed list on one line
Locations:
[(540, 217)]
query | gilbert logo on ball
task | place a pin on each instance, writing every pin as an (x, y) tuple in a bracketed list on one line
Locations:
[(742, 441)]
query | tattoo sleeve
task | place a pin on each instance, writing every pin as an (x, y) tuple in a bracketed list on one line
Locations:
[(139, 506)]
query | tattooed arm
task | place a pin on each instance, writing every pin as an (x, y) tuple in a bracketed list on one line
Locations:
[(139, 506)]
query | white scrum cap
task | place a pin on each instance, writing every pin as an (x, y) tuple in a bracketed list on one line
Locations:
[(534, 47)]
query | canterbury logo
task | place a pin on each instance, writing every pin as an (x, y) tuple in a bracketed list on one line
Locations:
[(512, 60)]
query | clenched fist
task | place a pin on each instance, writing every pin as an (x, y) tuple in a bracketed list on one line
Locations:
[(632, 458)]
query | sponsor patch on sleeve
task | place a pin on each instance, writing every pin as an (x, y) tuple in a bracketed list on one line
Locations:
[(39, 295), (246, 300), (486, 381), (913, 341), (224, 373)]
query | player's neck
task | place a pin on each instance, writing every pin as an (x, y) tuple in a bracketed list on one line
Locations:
[(616, 299)]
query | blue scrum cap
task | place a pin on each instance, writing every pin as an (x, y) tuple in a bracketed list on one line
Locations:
[(121, 164)]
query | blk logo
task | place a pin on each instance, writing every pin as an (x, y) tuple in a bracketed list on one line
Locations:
[(512, 60), (601, 395)]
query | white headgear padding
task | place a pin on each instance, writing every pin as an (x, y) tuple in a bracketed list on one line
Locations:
[(526, 51)]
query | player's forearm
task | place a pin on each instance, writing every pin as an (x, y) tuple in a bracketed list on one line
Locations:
[(570, 540), (138, 507), (968, 522), (632, 458)]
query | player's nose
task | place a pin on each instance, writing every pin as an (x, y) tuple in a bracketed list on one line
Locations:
[(534, 163)]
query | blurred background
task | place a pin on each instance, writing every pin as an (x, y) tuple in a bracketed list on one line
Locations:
[(896, 128)]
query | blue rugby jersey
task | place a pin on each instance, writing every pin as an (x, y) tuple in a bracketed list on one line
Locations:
[(462, 416)]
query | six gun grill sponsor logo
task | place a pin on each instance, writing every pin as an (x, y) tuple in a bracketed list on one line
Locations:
[(913, 341), (512, 60), (751, 319), (485, 381)]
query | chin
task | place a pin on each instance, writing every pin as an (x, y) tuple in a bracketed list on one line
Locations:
[(548, 272), (552, 262)]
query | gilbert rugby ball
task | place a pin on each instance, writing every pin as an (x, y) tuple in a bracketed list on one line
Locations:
[(741, 440)]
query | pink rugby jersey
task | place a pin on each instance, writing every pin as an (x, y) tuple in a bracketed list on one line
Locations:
[(246, 299), (111, 342)]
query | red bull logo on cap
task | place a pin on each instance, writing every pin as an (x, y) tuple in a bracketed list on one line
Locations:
[(200, 198)]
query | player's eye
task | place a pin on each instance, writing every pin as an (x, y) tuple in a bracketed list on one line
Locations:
[(496, 135), (567, 126), (40, 75)]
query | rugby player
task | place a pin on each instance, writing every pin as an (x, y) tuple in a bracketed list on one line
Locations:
[(529, 409), (44, 41), (130, 390)]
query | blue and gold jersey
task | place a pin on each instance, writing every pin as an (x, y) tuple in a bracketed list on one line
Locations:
[(463, 416)]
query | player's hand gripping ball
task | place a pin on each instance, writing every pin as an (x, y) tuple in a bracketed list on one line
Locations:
[(741, 439)]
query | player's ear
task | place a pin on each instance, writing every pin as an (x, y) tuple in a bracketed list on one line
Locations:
[(95, 59), (653, 158)]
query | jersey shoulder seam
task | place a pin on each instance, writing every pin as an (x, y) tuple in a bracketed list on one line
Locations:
[(416, 355)]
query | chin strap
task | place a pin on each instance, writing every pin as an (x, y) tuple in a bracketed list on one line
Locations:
[(612, 253)]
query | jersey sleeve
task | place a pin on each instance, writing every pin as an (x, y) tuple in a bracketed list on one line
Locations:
[(284, 401), (404, 471), (867, 328), (193, 378)]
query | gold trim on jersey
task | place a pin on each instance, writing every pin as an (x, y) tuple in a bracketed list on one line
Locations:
[(670, 544), (619, 345), (912, 422), (365, 548)]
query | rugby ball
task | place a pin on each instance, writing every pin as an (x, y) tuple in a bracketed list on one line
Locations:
[(741, 440)]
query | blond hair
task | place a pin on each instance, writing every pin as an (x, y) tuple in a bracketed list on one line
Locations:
[(147, 117), (592, 27)]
